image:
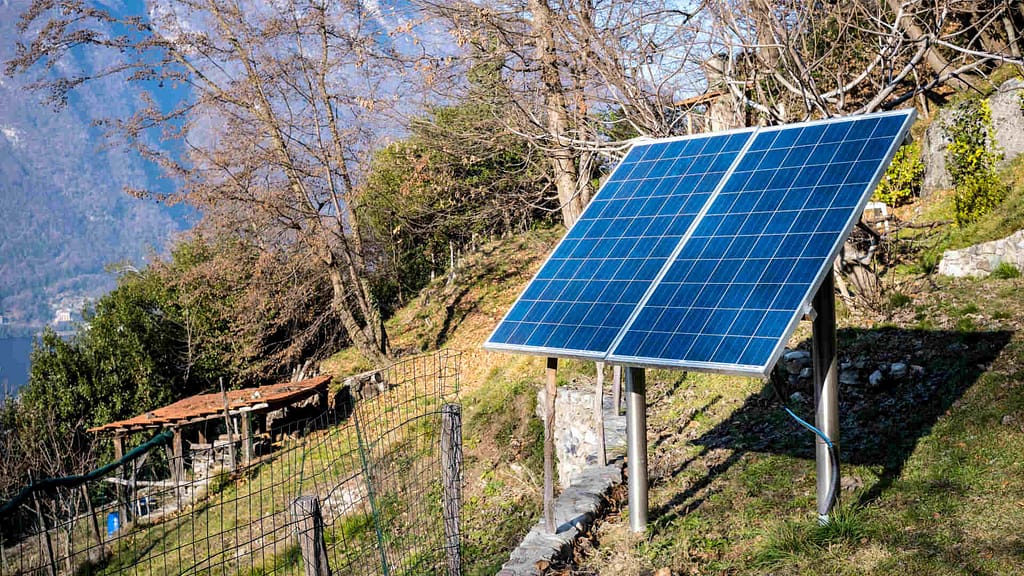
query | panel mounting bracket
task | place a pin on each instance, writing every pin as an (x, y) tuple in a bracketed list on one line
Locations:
[(809, 313)]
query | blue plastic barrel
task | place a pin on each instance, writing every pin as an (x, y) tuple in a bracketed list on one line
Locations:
[(113, 523)]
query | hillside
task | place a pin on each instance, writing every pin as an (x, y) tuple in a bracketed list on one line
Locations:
[(931, 459), (65, 215)]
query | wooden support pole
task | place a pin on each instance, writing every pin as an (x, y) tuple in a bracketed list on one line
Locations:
[(177, 464), (227, 424), (451, 479), (247, 451), (122, 505), (617, 390), (602, 452), (309, 529), (551, 391)]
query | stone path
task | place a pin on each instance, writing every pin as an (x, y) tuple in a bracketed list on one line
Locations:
[(575, 510), (577, 506)]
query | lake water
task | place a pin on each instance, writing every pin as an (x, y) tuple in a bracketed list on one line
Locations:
[(14, 362)]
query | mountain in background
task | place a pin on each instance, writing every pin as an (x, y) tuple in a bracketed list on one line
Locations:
[(64, 215)]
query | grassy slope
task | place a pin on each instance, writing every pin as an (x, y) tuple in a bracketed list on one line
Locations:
[(502, 436)]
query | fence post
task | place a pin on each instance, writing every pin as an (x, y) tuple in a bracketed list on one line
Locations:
[(451, 477), (120, 490), (95, 524), (52, 565), (309, 529)]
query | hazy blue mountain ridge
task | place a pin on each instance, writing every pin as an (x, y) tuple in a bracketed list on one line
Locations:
[(64, 215)]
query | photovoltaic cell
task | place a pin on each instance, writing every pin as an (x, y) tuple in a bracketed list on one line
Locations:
[(583, 295), (734, 293), (702, 252)]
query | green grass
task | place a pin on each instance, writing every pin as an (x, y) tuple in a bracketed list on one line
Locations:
[(504, 442), (1005, 271)]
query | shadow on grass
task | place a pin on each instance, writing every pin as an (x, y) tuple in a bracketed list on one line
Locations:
[(879, 427)]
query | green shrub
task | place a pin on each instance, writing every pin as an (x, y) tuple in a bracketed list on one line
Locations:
[(976, 197), (928, 261), (898, 300), (1005, 271), (219, 481), (971, 161), (902, 180)]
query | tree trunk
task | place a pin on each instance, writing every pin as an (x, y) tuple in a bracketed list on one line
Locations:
[(363, 336), (936, 62), (560, 154)]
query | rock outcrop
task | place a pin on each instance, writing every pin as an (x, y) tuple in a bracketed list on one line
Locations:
[(1007, 120)]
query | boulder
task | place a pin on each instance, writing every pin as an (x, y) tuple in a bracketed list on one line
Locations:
[(898, 370), (875, 380), (1007, 120)]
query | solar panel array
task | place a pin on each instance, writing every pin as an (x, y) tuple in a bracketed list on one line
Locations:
[(583, 295), (702, 252)]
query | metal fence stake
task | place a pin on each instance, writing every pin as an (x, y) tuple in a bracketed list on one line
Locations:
[(370, 494), (551, 390), (451, 478), (309, 530)]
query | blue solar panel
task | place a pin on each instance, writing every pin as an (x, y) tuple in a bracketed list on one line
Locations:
[(733, 295), (702, 252), (584, 294)]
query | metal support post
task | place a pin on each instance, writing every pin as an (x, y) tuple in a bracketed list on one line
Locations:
[(636, 447), (826, 393)]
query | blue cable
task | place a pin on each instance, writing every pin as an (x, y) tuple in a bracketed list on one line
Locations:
[(810, 427)]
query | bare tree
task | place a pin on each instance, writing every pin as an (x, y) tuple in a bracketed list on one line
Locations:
[(282, 104), (796, 59), (576, 71)]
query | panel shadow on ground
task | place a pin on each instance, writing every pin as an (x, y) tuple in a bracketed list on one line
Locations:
[(880, 426)]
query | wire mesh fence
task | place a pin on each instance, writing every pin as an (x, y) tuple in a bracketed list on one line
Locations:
[(381, 460)]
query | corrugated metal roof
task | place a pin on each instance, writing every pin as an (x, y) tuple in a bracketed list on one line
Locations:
[(205, 406)]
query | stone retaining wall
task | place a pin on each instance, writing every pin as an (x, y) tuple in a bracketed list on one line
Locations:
[(982, 259), (575, 434), (585, 483)]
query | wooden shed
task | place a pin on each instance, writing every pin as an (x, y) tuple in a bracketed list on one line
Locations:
[(202, 408)]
